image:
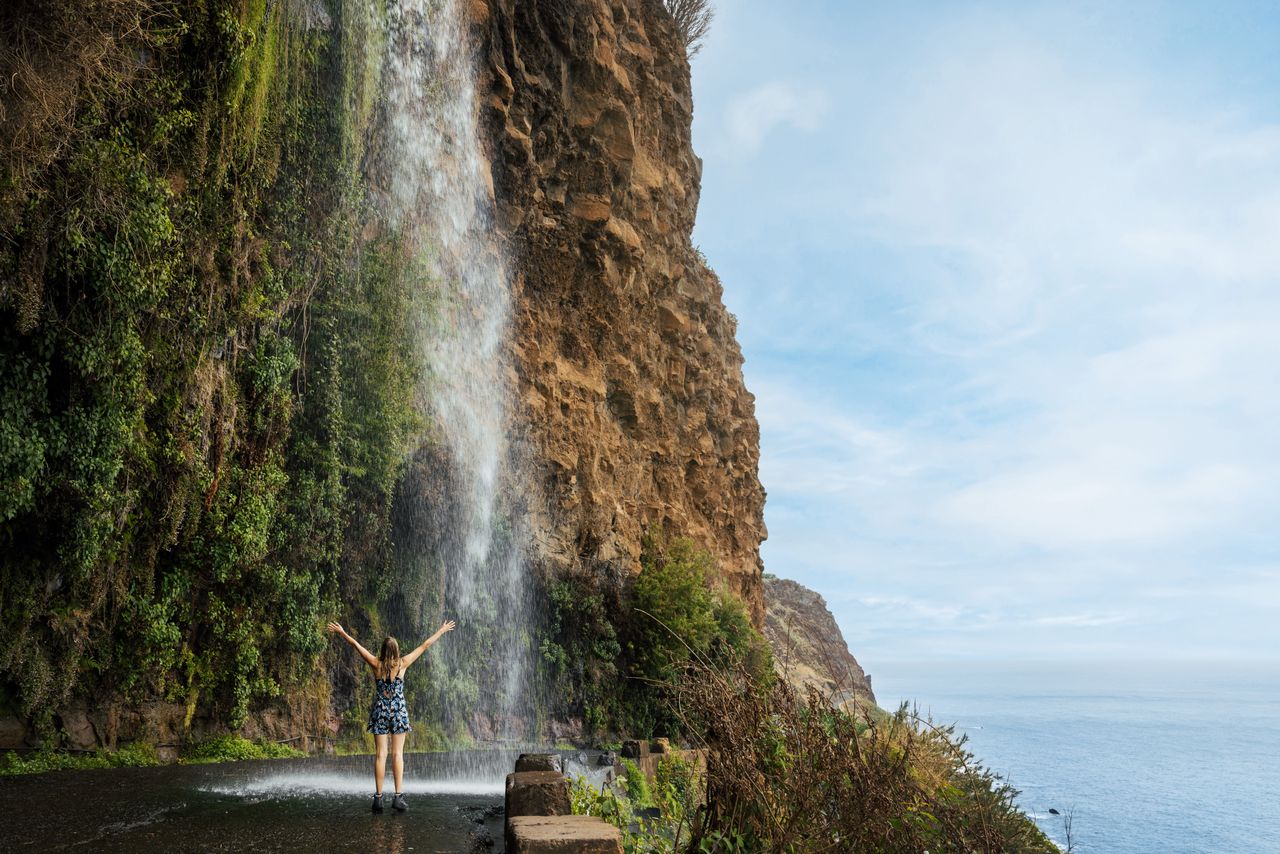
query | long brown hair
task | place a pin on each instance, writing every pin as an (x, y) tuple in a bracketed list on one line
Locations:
[(389, 659)]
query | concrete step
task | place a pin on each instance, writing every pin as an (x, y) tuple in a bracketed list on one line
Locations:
[(562, 834), (544, 793)]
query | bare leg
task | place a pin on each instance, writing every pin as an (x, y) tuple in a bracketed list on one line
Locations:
[(397, 759), (379, 762)]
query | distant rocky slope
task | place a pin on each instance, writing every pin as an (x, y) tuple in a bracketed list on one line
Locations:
[(630, 377), (807, 644)]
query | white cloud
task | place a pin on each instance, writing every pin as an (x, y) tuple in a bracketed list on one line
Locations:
[(920, 609), (1084, 621), (753, 115), (1072, 394)]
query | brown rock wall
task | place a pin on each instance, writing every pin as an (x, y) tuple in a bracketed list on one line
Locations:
[(629, 374)]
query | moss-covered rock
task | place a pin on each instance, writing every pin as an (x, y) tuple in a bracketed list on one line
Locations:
[(206, 379)]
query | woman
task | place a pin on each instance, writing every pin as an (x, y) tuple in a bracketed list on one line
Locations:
[(389, 717)]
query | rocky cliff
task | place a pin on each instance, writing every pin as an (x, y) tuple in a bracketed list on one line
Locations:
[(209, 438), (808, 648), (630, 378)]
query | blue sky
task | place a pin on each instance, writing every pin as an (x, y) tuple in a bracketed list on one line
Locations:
[(1008, 283)]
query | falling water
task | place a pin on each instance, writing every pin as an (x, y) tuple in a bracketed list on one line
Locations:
[(439, 198)]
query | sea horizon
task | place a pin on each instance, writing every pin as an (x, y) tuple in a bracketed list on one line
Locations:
[(1144, 754)]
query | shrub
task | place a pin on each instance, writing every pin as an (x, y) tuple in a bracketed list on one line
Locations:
[(233, 748), (637, 785), (790, 774), (610, 650), (668, 833), (678, 618), (132, 755), (673, 783), (693, 20)]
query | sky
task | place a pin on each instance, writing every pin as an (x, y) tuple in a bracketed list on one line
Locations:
[(1007, 278)]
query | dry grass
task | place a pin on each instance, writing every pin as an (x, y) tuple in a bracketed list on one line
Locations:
[(53, 52), (792, 774)]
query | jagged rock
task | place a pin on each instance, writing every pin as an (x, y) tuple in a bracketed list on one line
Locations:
[(808, 648), (630, 380)]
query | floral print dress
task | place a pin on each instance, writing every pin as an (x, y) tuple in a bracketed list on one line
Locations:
[(389, 714)]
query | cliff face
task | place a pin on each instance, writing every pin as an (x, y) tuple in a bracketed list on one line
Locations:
[(808, 647), (630, 379), (210, 347)]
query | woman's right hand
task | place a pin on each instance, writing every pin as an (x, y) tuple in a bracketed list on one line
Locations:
[(335, 628)]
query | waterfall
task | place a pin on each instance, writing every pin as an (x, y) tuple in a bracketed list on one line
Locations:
[(438, 197)]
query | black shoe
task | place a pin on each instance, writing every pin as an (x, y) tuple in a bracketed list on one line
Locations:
[(398, 803), (377, 803)]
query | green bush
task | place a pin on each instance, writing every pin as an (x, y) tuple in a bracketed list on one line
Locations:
[(133, 755), (673, 783), (233, 748), (669, 832), (610, 649), (637, 784), (678, 618)]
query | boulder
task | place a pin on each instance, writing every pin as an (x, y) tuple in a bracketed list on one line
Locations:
[(13, 733)]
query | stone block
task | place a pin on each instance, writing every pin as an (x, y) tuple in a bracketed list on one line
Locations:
[(635, 749), (660, 745), (539, 762), (562, 834), (537, 793)]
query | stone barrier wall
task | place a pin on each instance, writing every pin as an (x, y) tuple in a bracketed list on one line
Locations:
[(539, 820)]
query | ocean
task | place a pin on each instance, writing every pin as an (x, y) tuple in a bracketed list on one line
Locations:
[(1152, 758)]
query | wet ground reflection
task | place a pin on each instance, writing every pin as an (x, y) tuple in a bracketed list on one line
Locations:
[(319, 804)]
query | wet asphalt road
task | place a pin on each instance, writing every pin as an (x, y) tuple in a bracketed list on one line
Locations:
[(316, 804)]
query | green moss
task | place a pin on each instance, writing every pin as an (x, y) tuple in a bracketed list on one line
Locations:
[(206, 379)]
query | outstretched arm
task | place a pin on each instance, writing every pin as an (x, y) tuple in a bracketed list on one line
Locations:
[(364, 653), (447, 626)]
